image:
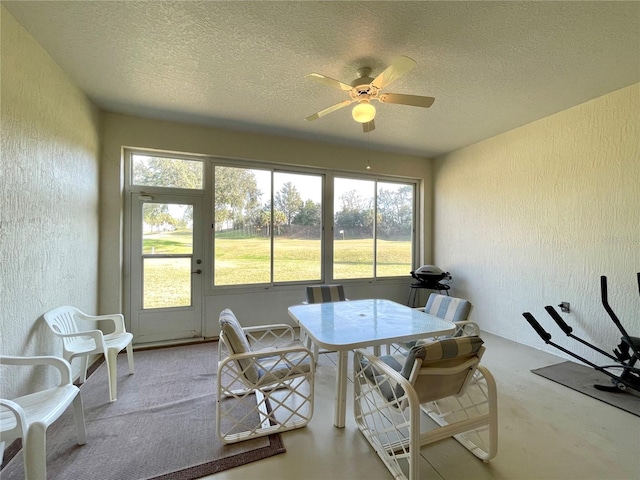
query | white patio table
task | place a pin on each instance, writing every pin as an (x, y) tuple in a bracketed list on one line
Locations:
[(344, 326)]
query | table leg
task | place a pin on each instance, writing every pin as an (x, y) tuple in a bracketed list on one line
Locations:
[(341, 389)]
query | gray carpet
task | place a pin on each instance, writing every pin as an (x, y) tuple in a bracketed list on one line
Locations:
[(582, 378), (161, 427)]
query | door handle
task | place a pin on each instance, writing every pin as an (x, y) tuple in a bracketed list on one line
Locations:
[(198, 271)]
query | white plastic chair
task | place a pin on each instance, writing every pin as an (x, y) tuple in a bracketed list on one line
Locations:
[(442, 381), (64, 321), (265, 381), (29, 416)]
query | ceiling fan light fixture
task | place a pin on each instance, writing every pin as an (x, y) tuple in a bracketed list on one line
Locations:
[(364, 112)]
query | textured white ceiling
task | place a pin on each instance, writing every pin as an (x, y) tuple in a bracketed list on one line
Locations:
[(492, 66)]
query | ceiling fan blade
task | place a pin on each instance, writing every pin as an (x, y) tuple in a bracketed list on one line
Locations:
[(329, 82), (328, 110), (369, 126), (401, 99), (398, 67)]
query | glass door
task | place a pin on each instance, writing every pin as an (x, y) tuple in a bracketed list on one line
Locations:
[(166, 267)]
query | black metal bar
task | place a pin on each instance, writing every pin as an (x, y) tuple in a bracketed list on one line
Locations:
[(546, 336), (614, 317), (567, 329)]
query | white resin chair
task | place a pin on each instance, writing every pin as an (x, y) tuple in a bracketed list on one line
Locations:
[(265, 381), (64, 321), (437, 391), (454, 309), (29, 416)]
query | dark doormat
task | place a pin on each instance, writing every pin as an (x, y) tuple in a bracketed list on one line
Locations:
[(582, 378)]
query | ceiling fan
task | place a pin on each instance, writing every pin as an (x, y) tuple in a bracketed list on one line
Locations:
[(364, 89)]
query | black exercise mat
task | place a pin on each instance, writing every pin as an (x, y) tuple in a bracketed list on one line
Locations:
[(582, 379)]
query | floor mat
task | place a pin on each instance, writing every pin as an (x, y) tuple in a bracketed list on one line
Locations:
[(162, 426), (582, 378)]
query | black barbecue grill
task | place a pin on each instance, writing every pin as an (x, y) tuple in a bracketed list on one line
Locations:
[(431, 275), (428, 277)]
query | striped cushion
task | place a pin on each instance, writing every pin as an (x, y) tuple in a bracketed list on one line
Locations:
[(447, 351), (450, 352), (325, 293), (449, 308), (448, 348), (237, 342)]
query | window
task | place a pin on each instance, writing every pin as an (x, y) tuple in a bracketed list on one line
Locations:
[(167, 247), (297, 242), (166, 172), (268, 226), (353, 228), (394, 229), (275, 226), (372, 220)]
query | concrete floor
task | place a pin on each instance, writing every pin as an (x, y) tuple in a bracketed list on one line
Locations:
[(546, 431)]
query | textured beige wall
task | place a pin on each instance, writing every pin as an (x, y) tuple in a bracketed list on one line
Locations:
[(49, 209), (534, 216)]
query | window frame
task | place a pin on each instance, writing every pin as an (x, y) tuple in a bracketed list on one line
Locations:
[(328, 176)]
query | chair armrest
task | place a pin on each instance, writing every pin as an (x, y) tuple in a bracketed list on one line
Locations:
[(97, 335), (19, 416), (386, 378), (269, 353), (61, 364), (266, 336), (466, 328), (294, 361), (116, 318)]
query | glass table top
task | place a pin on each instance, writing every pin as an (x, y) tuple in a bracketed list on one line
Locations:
[(360, 323)]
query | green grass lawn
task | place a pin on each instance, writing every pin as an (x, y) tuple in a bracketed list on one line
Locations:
[(248, 260)]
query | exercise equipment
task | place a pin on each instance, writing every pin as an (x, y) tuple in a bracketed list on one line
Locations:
[(625, 355)]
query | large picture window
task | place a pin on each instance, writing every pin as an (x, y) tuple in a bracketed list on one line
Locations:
[(373, 228), (268, 226), (271, 225)]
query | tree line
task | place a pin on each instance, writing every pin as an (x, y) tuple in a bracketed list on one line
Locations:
[(238, 206)]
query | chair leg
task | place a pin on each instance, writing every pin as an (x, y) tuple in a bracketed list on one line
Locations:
[(34, 452), (111, 359), (307, 342), (130, 358), (84, 366), (78, 413)]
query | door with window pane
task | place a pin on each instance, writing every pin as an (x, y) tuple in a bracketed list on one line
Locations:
[(166, 267)]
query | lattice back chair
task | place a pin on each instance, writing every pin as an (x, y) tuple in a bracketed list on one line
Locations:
[(322, 294), (443, 381), (265, 381), (456, 310), (28, 416), (63, 322)]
